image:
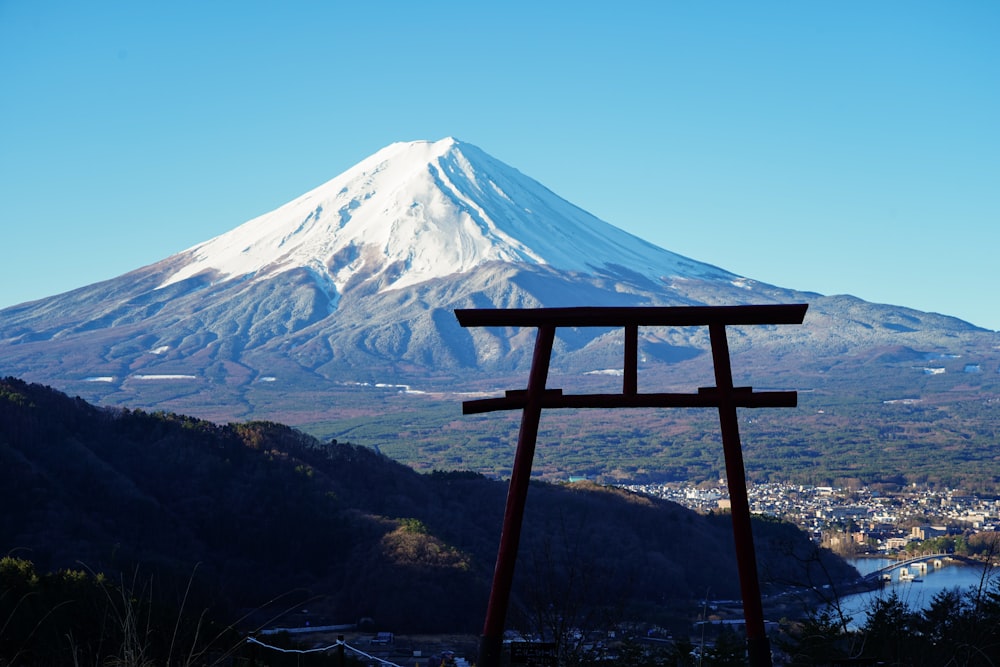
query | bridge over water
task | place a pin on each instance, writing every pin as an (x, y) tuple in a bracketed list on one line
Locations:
[(918, 563)]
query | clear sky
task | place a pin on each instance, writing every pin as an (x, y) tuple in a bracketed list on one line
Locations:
[(836, 147)]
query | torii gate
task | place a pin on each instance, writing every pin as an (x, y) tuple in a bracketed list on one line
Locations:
[(723, 396)]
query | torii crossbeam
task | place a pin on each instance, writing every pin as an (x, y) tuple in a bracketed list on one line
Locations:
[(536, 397)]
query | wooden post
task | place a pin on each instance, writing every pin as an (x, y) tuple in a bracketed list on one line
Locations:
[(758, 647), (491, 642), (630, 370)]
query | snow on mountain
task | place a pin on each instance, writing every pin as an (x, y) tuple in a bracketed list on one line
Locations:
[(421, 210), (357, 281)]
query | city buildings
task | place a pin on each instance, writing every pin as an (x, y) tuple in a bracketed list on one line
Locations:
[(862, 518)]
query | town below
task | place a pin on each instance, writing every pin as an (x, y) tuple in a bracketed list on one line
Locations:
[(855, 521)]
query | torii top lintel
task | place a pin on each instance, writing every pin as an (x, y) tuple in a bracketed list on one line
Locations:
[(631, 318), (654, 316)]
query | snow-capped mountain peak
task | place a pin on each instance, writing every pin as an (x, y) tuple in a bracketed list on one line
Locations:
[(420, 210), (355, 284)]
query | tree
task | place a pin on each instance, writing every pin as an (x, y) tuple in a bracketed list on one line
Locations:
[(729, 650), (821, 636), (889, 630)]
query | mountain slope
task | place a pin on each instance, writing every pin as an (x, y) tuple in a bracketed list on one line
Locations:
[(259, 510), (411, 217), (417, 211), (354, 285)]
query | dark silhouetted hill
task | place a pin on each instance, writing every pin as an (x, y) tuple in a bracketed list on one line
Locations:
[(258, 510)]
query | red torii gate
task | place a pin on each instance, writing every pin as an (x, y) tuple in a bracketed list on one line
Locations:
[(723, 396)]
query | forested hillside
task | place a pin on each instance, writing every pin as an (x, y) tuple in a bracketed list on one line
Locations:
[(246, 513)]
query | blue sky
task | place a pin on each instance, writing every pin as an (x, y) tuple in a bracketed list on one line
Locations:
[(837, 147)]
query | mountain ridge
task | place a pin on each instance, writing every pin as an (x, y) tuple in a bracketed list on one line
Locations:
[(259, 510)]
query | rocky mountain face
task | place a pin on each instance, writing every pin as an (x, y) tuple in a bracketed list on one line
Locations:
[(354, 284)]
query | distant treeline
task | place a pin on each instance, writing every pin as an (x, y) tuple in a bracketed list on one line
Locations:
[(843, 435)]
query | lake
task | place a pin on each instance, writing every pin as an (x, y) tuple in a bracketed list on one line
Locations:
[(916, 595)]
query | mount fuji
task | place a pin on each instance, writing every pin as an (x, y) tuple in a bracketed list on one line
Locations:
[(418, 211), (355, 283)]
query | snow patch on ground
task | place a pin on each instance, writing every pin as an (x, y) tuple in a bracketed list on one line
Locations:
[(100, 378), (165, 376), (159, 350), (402, 388)]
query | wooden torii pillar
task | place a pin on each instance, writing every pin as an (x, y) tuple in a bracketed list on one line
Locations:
[(536, 397)]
